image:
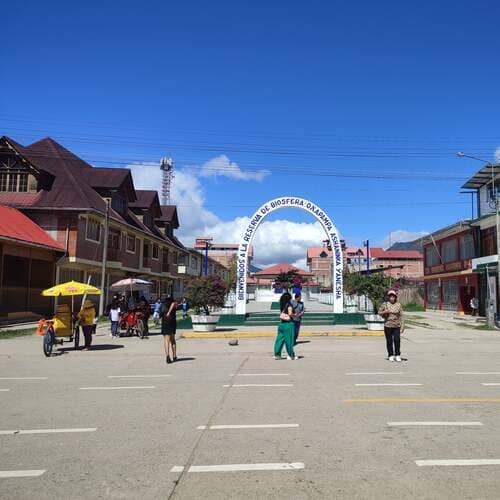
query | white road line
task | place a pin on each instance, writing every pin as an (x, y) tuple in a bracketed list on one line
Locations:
[(4, 390), (386, 385), (24, 378), (375, 373), (240, 467), (458, 424), (138, 376), (444, 463), (260, 374), (115, 388), (21, 473), (258, 385), (47, 431), (477, 373), (488, 384), (250, 426)]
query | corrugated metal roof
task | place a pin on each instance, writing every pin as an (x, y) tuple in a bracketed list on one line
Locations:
[(15, 226), (482, 177)]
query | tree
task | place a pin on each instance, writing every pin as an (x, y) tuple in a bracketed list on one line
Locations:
[(205, 292), (232, 275), (374, 286), (288, 280)]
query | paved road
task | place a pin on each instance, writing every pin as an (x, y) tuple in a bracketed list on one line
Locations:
[(123, 436)]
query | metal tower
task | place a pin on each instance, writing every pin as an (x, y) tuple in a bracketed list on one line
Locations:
[(167, 170)]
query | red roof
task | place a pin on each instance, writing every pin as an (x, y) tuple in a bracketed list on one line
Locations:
[(313, 252), (14, 225), (282, 268)]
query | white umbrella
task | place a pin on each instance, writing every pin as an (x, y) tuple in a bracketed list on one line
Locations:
[(131, 284)]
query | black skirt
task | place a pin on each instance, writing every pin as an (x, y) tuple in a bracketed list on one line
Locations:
[(168, 326)]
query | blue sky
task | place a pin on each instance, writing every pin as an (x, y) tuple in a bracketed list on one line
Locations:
[(358, 106)]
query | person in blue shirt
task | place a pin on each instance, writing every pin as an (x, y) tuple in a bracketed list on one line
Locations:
[(184, 306), (156, 312), (298, 313)]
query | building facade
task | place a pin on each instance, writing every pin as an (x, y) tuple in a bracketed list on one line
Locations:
[(86, 209)]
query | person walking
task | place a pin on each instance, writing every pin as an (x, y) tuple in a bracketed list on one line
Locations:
[(392, 312), (156, 312), (168, 328), (286, 329), (114, 316), (298, 313), (86, 317)]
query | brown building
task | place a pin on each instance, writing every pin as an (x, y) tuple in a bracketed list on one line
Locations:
[(224, 253), (73, 202), (320, 262)]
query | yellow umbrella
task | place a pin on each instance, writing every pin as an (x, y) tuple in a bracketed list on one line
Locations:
[(71, 288)]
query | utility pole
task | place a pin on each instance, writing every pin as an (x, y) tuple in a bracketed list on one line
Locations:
[(102, 297), (367, 245)]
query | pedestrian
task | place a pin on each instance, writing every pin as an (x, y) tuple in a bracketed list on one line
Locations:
[(286, 329), (185, 307), (474, 303), (114, 316), (145, 308), (86, 316), (168, 328), (298, 313), (392, 312), (156, 312)]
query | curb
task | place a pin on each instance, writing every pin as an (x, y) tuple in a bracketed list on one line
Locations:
[(248, 335)]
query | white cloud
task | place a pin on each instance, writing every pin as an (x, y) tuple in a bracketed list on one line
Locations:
[(275, 241), (401, 235), (222, 166), (497, 155)]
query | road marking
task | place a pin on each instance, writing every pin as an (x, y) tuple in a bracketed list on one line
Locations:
[(385, 385), (458, 424), (260, 374), (21, 473), (489, 384), (258, 385), (444, 463), (48, 431), (423, 400), (24, 378), (115, 388), (138, 376), (375, 373), (4, 390), (240, 467), (477, 373), (250, 426)]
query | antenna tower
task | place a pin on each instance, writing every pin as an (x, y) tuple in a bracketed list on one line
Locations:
[(167, 171)]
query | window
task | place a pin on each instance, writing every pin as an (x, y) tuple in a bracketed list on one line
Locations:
[(3, 181), (156, 252), (449, 251), (431, 256), (93, 230), (147, 219), (467, 246), (131, 243), (145, 250), (119, 204), (114, 237), (12, 185)]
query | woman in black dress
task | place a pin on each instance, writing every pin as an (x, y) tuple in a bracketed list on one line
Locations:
[(169, 327)]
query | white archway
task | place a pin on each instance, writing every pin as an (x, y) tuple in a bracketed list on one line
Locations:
[(248, 234)]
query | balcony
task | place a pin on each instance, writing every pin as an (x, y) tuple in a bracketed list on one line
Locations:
[(146, 262)]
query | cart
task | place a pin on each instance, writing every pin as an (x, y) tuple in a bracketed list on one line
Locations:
[(132, 323), (58, 329), (63, 325)]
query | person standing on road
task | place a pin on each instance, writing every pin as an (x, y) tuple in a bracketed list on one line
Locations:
[(298, 313), (169, 328), (474, 305), (86, 318), (114, 316), (286, 329), (392, 312), (185, 307)]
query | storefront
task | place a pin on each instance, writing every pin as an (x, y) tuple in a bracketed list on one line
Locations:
[(451, 293)]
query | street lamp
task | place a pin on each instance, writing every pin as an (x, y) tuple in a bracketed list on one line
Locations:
[(486, 163)]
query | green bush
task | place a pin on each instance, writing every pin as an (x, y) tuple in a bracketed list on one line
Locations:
[(412, 307), (205, 292)]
